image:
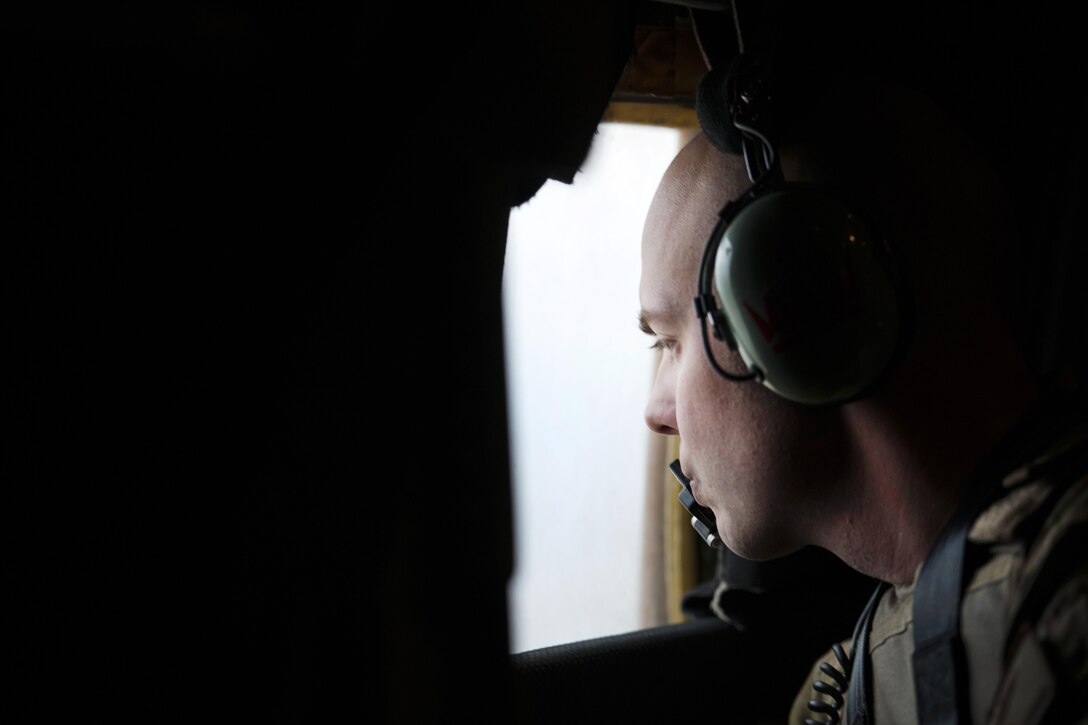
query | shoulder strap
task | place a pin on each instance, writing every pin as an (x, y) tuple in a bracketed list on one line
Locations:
[(939, 661), (859, 700)]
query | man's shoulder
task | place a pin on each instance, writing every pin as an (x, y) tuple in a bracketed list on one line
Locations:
[(1046, 654), (1024, 605), (1045, 515), (1024, 608), (1045, 662)]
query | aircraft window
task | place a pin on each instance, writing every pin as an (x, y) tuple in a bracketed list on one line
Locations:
[(588, 499)]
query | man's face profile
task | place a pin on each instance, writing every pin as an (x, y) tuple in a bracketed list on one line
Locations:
[(751, 455)]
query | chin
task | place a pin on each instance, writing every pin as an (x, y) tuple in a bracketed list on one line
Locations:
[(759, 546)]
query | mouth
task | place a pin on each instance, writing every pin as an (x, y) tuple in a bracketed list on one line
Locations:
[(702, 518), (694, 485), (688, 482)]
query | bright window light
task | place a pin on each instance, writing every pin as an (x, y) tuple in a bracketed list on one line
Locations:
[(579, 373)]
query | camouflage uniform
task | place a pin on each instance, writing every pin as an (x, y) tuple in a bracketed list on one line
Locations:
[(1024, 613)]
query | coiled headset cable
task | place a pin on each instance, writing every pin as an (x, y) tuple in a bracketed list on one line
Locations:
[(831, 712), (835, 689)]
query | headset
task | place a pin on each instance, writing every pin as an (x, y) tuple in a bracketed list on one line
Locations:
[(796, 278)]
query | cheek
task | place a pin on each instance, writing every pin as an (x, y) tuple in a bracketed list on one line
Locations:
[(729, 425), (705, 401)]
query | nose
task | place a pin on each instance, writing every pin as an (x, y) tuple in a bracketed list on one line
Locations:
[(660, 413)]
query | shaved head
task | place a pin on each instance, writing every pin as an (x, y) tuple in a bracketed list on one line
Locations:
[(781, 475)]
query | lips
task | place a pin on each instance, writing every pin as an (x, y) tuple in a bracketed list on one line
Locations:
[(702, 518), (694, 484), (695, 492), (688, 483)]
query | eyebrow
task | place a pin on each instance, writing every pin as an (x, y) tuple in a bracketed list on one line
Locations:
[(669, 314)]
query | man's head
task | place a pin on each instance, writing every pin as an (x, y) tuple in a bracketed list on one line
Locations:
[(776, 473), (745, 449)]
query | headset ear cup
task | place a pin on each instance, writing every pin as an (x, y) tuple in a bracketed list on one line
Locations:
[(712, 105), (812, 295)]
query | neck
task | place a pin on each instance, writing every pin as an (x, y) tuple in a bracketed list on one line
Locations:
[(916, 450)]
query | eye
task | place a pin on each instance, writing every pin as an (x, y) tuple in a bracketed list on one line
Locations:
[(663, 344)]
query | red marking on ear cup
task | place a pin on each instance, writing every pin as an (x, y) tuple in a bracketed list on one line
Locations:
[(766, 326)]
